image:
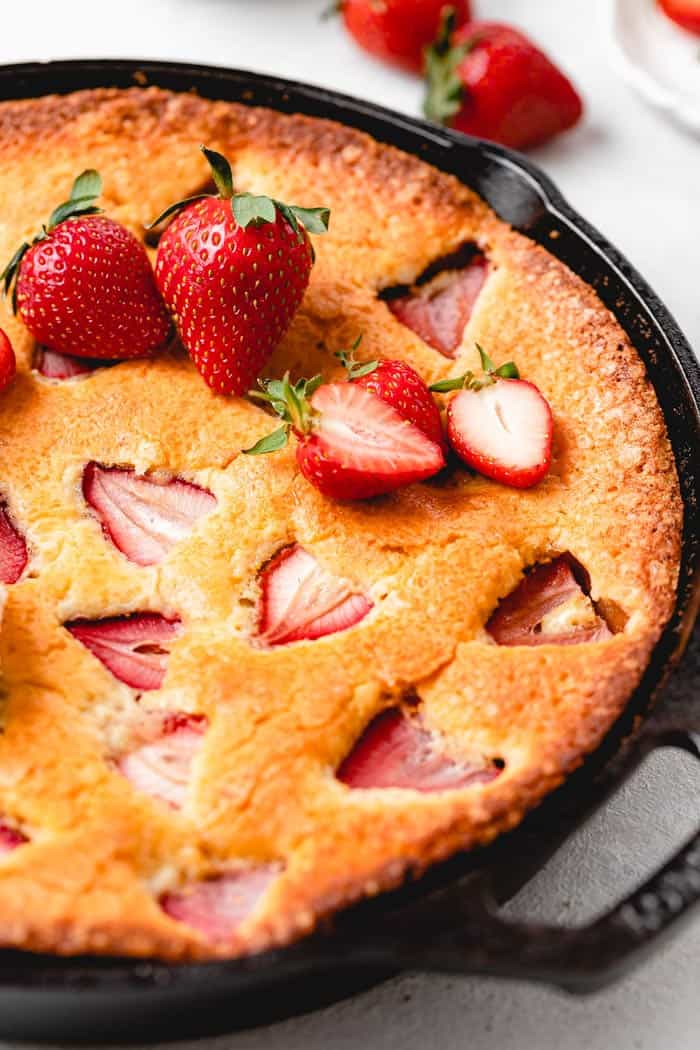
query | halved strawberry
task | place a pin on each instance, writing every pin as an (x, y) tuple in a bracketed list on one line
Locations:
[(13, 548), (52, 365), (395, 751), (216, 907), (144, 518), (134, 648), (10, 838), (302, 601), (499, 424), (400, 386), (161, 767), (352, 445), (438, 311), (549, 607)]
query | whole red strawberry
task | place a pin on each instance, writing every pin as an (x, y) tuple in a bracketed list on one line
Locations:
[(399, 31), (400, 386), (489, 80), (8, 365), (233, 270), (351, 444), (85, 285)]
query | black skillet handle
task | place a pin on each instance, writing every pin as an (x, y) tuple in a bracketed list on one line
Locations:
[(467, 935)]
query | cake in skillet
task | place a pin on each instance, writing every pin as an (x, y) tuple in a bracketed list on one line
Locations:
[(231, 705)]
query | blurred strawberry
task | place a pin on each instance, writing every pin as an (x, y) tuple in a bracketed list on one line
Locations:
[(85, 286), (8, 365), (398, 31), (685, 12), (490, 81)]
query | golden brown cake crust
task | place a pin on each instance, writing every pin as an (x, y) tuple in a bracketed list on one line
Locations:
[(436, 558)]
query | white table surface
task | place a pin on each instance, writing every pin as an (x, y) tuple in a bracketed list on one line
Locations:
[(638, 180)]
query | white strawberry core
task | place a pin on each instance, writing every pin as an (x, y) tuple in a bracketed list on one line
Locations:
[(367, 434)]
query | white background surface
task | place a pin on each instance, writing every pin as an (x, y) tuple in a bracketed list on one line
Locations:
[(638, 179)]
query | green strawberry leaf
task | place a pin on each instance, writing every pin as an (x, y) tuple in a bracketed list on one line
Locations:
[(221, 172), (88, 184), (458, 383), (314, 220), (70, 209), (486, 362), (270, 443), (250, 210), (508, 371), (173, 208), (442, 60)]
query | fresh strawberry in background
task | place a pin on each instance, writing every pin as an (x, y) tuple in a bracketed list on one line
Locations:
[(400, 386), (398, 31), (351, 444), (500, 424), (8, 365), (685, 13), (233, 269), (85, 286), (489, 80)]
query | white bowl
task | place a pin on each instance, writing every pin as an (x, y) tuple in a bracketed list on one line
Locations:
[(658, 59)]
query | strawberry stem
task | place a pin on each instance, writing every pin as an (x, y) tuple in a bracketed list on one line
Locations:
[(470, 381), (355, 369), (249, 209), (445, 91), (292, 402)]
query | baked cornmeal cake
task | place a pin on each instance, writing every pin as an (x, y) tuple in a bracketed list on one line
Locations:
[(182, 777)]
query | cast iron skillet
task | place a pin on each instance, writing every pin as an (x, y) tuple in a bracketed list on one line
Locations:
[(448, 921)]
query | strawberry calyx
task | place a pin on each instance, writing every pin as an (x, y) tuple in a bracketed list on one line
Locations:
[(445, 92), (86, 189), (356, 369), (247, 208), (292, 403), (471, 381)]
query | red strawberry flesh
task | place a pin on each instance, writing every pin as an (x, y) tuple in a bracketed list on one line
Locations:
[(395, 751), (13, 549), (518, 619), (401, 387), (144, 518), (133, 648), (438, 312), (8, 363), (302, 601), (504, 431), (52, 365), (362, 447), (162, 766), (10, 838), (216, 907)]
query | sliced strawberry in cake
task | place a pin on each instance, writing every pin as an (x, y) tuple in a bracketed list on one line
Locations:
[(395, 751), (144, 518), (550, 606), (10, 838), (300, 600), (216, 907), (13, 548), (439, 310), (134, 648), (52, 365), (161, 767)]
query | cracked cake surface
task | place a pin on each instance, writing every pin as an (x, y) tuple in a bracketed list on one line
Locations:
[(181, 777)]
